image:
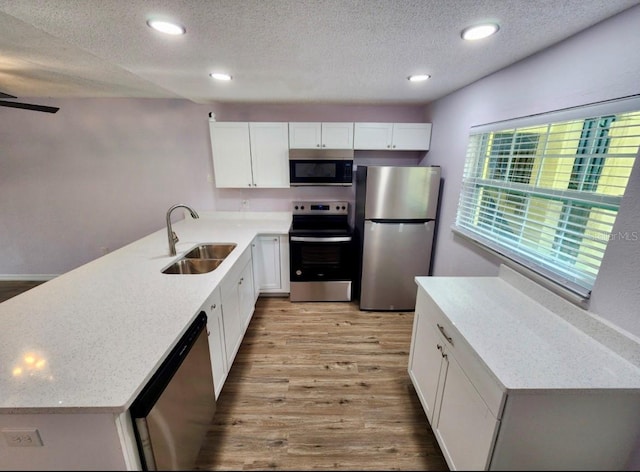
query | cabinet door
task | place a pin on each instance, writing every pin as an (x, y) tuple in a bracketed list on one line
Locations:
[(285, 281), (266, 262), (231, 153), (270, 154), (215, 330), (425, 362), (337, 135), (305, 135), (231, 317), (372, 135), (246, 295), (411, 136), (464, 424)]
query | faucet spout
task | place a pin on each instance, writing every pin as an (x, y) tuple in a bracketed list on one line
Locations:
[(173, 238)]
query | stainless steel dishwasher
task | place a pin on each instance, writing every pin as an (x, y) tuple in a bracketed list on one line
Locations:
[(172, 413)]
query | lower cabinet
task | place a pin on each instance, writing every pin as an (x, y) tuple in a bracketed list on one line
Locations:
[(262, 267), (461, 420), (270, 254), (480, 425), (246, 294), (236, 292)]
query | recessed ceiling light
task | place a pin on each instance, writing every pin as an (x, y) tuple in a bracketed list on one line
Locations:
[(473, 33), (418, 78), (167, 27), (220, 76)]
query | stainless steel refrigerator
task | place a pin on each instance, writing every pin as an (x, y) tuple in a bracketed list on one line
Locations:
[(395, 220)]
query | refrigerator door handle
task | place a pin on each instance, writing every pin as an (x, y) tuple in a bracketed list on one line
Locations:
[(395, 222)]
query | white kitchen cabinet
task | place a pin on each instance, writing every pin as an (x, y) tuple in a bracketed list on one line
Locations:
[(246, 294), (312, 135), (462, 422), (270, 254), (250, 154), (236, 291), (392, 136), (215, 330), (538, 399)]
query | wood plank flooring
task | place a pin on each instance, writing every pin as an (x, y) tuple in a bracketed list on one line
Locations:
[(317, 386), (11, 288)]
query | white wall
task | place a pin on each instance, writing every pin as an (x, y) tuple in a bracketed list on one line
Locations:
[(102, 173), (598, 64), (98, 173)]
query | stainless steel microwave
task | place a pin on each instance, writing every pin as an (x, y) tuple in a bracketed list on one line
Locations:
[(320, 167)]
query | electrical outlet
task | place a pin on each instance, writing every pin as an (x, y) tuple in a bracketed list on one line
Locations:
[(22, 437)]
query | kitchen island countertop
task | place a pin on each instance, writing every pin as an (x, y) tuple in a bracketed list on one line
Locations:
[(90, 339)]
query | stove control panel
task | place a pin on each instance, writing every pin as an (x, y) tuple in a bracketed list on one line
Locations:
[(321, 208)]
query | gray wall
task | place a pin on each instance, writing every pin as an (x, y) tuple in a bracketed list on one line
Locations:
[(599, 64)]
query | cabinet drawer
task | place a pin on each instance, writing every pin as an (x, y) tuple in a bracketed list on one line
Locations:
[(483, 380)]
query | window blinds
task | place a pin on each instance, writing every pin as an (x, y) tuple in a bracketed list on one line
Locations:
[(544, 191)]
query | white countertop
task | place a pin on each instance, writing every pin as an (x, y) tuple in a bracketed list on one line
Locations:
[(90, 339), (525, 345)]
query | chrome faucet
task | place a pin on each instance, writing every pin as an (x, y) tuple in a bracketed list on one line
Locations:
[(173, 238)]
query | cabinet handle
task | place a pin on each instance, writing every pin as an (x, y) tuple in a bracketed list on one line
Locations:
[(393, 146), (324, 145), (439, 347), (444, 333), (444, 355), (240, 283), (317, 145), (249, 184), (213, 307), (388, 145), (275, 239)]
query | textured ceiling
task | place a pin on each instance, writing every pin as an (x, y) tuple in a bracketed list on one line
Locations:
[(278, 51)]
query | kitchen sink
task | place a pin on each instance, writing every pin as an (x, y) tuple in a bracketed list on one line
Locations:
[(192, 266), (201, 259), (210, 251)]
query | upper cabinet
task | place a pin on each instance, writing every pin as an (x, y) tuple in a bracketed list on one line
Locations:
[(250, 154), (313, 135), (392, 136)]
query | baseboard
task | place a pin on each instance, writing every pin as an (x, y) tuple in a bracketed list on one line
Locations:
[(27, 277)]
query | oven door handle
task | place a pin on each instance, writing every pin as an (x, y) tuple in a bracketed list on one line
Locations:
[(309, 239)]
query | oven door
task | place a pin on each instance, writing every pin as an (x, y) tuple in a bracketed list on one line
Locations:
[(321, 267)]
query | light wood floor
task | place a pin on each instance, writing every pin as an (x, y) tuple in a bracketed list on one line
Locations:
[(317, 386)]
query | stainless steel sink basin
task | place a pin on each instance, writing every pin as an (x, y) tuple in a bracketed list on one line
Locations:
[(192, 266), (210, 251)]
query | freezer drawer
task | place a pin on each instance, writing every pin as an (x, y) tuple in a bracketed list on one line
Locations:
[(393, 254)]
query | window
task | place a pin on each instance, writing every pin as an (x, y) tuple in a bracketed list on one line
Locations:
[(544, 191)]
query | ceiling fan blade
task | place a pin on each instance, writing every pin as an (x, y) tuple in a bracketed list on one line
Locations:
[(6, 95), (28, 106)]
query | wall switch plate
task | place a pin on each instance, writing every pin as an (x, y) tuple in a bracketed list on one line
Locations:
[(22, 437)]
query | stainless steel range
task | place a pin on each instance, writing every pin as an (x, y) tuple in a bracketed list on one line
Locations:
[(322, 253)]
